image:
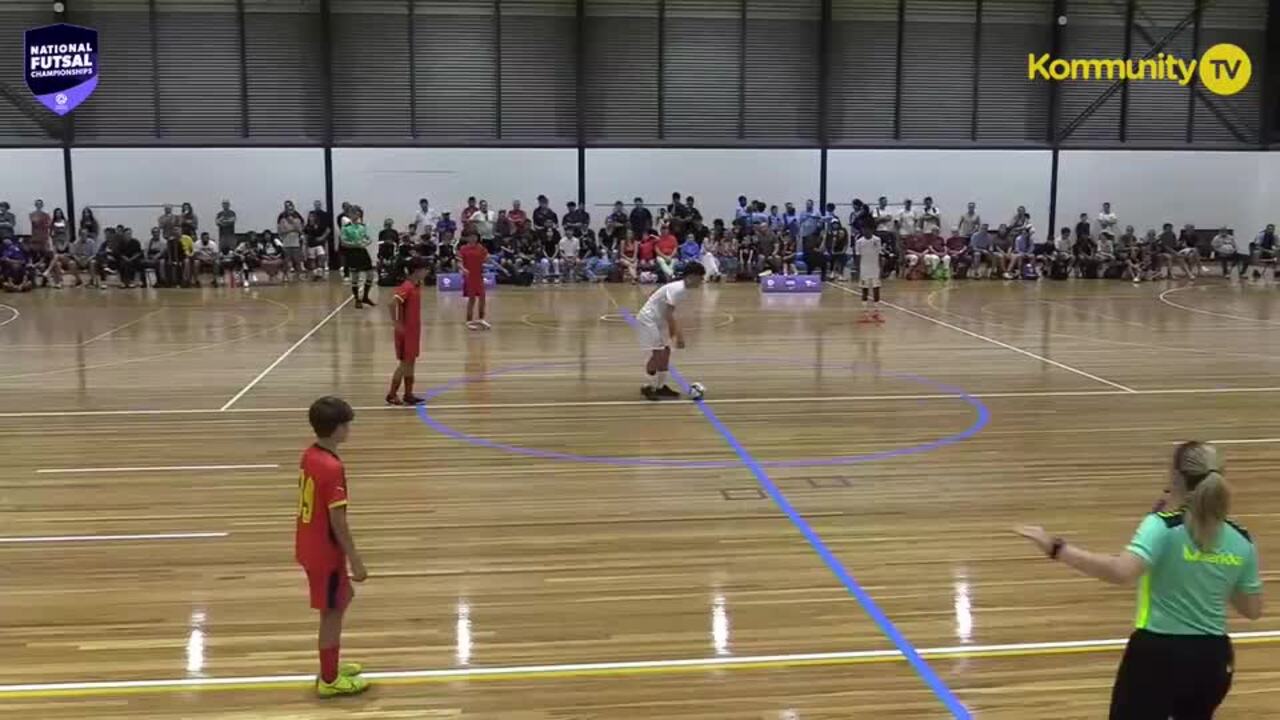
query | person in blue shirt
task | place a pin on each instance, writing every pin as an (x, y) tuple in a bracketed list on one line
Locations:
[(742, 213), (810, 221), (16, 275), (1023, 252), (776, 222), (791, 221), (758, 215), (690, 250)]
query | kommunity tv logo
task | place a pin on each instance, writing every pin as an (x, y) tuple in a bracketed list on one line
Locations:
[(1223, 69)]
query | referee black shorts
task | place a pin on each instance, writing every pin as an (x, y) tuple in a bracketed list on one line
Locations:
[(1177, 677)]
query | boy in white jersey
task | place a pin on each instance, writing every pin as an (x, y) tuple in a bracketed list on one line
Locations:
[(656, 323), (868, 248)]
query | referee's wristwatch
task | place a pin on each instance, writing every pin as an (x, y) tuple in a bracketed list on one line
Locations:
[(1056, 548)]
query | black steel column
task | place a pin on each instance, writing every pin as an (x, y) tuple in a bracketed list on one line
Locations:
[(326, 76), (1270, 64), (1129, 10), (154, 33), (977, 68), (413, 75), (824, 77), (497, 63), (742, 69), (662, 67), (897, 70), (68, 138), (244, 70), (1051, 231), (580, 97), (1195, 52)]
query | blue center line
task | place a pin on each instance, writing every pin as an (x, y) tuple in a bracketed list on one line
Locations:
[(837, 568)]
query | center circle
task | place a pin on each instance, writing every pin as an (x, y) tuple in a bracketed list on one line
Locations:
[(982, 416)]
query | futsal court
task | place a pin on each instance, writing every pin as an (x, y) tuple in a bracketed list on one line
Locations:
[(828, 535)]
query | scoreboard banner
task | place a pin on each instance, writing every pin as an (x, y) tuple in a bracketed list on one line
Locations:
[(61, 65)]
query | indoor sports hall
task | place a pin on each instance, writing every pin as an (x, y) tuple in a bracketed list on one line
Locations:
[(895, 395)]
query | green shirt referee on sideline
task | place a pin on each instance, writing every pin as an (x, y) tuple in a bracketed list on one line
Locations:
[(1189, 563)]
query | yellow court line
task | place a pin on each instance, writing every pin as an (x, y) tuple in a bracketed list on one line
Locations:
[(597, 670)]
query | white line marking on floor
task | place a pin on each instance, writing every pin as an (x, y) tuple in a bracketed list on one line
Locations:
[(110, 538), (286, 354), (494, 672), (998, 343), (722, 401), (10, 319), (118, 328), (165, 468), (1164, 299), (1247, 441)]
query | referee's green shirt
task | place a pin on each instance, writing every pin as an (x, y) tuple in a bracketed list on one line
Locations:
[(1185, 590)]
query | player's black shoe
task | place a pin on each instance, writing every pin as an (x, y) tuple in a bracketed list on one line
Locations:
[(666, 392), (410, 399), (649, 393)]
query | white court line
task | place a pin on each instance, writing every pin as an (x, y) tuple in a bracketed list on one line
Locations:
[(286, 354), (165, 468), (1210, 313), (110, 538), (15, 316), (723, 401), (118, 328), (1247, 441), (599, 667), (993, 341)]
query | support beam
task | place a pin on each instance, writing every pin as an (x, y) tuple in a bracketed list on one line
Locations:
[(326, 78), (497, 63), (977, 69), (413, 72), (244, 70), (742, 69), (1129, 9), (580, 97), (154, 26), (1055, 50), (662, 68), (824, 109), (1195, 52), (897, 71)]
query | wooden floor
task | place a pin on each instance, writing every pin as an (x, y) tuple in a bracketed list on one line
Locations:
[(652, 575)]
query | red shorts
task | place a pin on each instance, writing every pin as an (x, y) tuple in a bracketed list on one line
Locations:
[(407, 346), (330, 587), (473, 286)]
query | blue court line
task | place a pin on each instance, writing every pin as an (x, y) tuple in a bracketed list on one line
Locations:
[(869, 605)]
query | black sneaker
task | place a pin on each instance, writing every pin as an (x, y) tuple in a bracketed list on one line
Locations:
[(649, 393), (666, 392)]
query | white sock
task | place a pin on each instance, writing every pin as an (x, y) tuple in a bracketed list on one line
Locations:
[(660, 379)]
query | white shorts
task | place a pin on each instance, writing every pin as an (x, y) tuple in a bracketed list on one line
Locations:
[(869, 282), (316, 253), (652, 337)]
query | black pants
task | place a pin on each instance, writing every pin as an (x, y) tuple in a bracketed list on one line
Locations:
[(1229, 260), (815, 263), (1178, 677)]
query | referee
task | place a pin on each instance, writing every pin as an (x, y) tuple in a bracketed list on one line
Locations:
[(1192, 561)]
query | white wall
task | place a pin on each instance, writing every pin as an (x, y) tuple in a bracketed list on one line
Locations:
[(1149, 188), (1268, 190), (257, 181), (31, 174), (387, 182), (997, 180), (714, 177)]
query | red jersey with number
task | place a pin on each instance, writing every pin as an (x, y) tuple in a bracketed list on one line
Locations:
[(409, 295), (322, 486)]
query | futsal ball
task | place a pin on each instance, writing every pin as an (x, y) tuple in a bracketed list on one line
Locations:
[(696, 391)]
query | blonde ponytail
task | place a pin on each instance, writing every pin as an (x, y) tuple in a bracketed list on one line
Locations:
[(1208, 495)]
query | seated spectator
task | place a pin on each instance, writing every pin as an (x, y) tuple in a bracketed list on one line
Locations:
[(15, 269), (915, 247), (1021, 219), (1109, 265), (1023, 257), (528, 256), (1169, 253), (841, 251), (1085, 255), (769, 251), (1263, 249), (503, 227), (570, 256), (205, 258), (387, 266), (667, 248), (61, 258), (1002, 254), (270, 255), (647, 257), (130, 259), (548, 240), (982, 251), (726, 253), (690, 250), (628, 257), (231, 263), (1128, 251), (107, 261), (1228, 253), (80, 257), (958, 254), (710, 261), (597, 266), (1149, 252), (937, 263), (247, 252), (1062, 262), (1190, 249), (1044, 250), (859, 218), (785, 254), (187, 242)]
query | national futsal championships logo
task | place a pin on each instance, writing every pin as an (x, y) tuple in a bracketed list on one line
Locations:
[(1223, 69)]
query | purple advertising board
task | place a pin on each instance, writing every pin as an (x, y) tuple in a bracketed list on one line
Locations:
[(791, 284), (452, 282)]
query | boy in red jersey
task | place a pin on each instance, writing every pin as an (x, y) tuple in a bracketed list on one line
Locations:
[(473, 256), (406, 315), (323, 544)]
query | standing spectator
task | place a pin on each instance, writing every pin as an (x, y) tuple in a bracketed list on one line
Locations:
[(8, 223), (206, 257), (694, 222), (1228, 253), (576, 219), (791, 220), (289, 225), (226, 222), (318, 231), (859, 216), (503, 228), (425, 220), (981, 250), (188, 220), (811, 243), (969, 223), (617, 223), (130, 259), (170, 225), (641, 220), (468, 211), (41, 228), (885, 219), (869, 248), (88, 220), (908, 220), (519, 219), (679, 214), (930, 218), (1107, 220), (1082, 227), (742, 214), (544, 214), (355, 250), (483, 221)]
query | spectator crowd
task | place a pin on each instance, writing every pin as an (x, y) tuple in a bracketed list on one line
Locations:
[(640, 243)]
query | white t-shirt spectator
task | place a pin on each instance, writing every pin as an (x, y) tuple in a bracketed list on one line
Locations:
[(884, 218), (205, 251), (1107, 223), (930, 220), (426, 222), (484, 221), (570, 247), (969, 224), (908, 221), (1225, 244)]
